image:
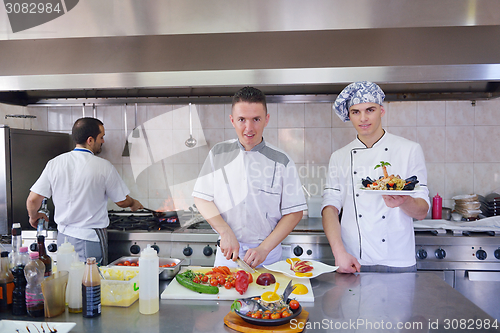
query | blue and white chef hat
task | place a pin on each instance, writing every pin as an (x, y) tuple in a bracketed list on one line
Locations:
[(357, 93)]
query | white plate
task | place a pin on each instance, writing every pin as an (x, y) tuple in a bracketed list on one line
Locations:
[(284, 267), (12, 325), (392, 192)]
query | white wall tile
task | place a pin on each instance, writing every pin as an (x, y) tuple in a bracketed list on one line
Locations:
[(59, 118), (272, 110), (486, 145), (431, 113), (291, 140), (342, 136), (486, 178), (455, 175), (402, 114), (318, 115), (291, 115), (112, 148), (459, 113), (459, 144), (436, 178), (212, 115), (409, 133), (318, 145), (271, 136), (487, 112), (40, 123), (432, 140)]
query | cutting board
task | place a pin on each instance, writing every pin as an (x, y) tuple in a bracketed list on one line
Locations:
[(235, 322), (175, 291)]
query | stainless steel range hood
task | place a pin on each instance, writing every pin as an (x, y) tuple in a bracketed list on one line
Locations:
[(154, 50)]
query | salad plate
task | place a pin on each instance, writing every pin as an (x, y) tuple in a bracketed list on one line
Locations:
[(284, 267)]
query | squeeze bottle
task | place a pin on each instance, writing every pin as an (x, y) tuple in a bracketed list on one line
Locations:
[(149, 281), (34, 273), (74, 290), (65, 254), (437, 207)]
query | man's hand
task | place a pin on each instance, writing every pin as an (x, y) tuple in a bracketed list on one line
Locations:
[(136, 205), (347, 263), (393, 201), (34, 219), (256, 256), (229, 246)]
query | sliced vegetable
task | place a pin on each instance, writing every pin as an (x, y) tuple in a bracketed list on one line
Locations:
[(242, 281), (186, 280), (265, 279)]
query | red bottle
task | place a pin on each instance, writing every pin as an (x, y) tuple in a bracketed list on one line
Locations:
[(437, 207)]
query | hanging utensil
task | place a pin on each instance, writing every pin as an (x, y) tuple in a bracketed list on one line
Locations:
[(135, 132), (191, 142)]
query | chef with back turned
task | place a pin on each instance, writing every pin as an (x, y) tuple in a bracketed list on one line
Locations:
[(248, 190), (80, 184), (375, 233)]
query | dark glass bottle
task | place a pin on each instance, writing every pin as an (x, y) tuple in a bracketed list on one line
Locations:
[(43, 256), (19, 293), (6, 283), (91, 290)]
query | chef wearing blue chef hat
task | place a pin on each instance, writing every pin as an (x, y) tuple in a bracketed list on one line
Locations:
[(375, 232)]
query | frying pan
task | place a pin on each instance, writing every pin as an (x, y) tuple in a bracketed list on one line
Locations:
[(161, 214)]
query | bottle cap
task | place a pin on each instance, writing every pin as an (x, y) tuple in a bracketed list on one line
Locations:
[(34, 255), (149, 252), (65, 247), (23, 249), (5, 254), (91, 260)]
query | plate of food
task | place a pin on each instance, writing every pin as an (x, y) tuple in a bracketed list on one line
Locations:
[(35, 326), (301, 269), (389, 184)]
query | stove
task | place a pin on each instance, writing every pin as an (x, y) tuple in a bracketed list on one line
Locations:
[(127, 221)]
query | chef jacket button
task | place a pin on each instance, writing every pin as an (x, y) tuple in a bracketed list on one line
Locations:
[(354, 152), (386, 149), (355, 172), (383, 216), (357, 194), (383, 240), (360, 215)]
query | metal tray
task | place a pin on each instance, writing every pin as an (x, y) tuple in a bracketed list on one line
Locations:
[(166, 273)]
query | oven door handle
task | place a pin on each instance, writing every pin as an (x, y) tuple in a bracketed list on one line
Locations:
[(483, 276)]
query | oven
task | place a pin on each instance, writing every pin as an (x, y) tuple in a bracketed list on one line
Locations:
[(468, 261)]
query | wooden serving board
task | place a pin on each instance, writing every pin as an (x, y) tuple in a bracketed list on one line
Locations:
[(235, 322), (175, 291)]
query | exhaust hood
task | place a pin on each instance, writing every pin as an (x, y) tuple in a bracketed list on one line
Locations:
[(153, 51)]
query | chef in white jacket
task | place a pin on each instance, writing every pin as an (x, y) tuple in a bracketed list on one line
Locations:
[(375, 232)]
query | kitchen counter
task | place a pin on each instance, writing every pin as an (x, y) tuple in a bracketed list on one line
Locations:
[(365, 302)]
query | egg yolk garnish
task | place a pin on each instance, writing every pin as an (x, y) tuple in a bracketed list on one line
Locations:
[(300, 289)]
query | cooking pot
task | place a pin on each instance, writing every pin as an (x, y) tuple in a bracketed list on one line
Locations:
[(446, 213)]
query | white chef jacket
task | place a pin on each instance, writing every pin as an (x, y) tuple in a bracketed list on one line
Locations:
[(80, 185), (251, 189), (372, 232)]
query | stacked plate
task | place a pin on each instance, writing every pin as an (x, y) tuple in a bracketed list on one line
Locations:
[(490, 204), (468, 205)]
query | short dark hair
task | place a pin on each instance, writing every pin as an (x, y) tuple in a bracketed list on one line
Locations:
[(84, 128), (250, 95)]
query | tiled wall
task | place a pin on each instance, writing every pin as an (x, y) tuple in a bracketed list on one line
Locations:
[(460, 139)]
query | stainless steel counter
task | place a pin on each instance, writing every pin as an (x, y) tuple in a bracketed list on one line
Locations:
[(366, 302)]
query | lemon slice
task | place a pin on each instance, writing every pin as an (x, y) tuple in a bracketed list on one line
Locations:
[(300, 289), (303, 274), (292, 260)]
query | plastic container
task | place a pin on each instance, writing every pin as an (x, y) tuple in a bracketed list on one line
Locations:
[(17, 242), (74, 289), (6, 283), (34, 273), (437, 207), (19, 293), (120, 286), (314, 206), (23, 258), (65, 255), (91, 290), (149, 280), (54, 293)]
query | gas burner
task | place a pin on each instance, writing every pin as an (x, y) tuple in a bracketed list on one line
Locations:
[(147, 223)]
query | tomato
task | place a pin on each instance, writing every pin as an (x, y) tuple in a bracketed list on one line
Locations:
[(275, 315), (214, 282), (266, 316), (257, 314), (134, 264), (250, 278), (196, 280), (227, 285), (285, 314), (173, 264), (119, 264), (222, 280), (241, 284), (294, 305), (204, 278), (126, 263)]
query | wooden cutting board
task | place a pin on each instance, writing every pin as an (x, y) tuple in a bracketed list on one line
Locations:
[(235, 322), (175, 291)]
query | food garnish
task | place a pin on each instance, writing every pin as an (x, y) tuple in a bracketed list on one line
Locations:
[(219, 276), (301, 268), (300, 289), (265, 279), (256, 307), (389, 182)]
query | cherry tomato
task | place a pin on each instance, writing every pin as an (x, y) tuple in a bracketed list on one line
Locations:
[(119, 264), (257, 314), (285, 314), (294, 305), (196, 280), (275, 315), (204, 278), (266, 316), (173, 264), (214, 282), (126, 263), (134, 264), (227, 285), (222, 280)]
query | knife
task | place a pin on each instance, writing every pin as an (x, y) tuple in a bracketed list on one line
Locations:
[(240, 262), (288, 290)]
